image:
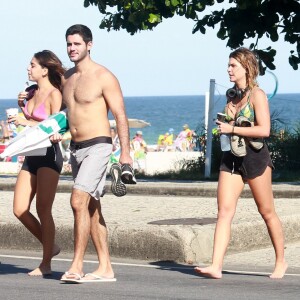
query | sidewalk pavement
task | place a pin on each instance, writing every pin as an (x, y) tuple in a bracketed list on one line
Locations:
[(160, 220)]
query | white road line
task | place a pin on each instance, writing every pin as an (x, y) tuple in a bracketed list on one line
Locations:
[(88, 261), (256, 273), (143, 265)]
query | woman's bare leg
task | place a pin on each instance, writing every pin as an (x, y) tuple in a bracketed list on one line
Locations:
[(24, 193), (47, 180), (230, 187), (261, 188), (25, 190)]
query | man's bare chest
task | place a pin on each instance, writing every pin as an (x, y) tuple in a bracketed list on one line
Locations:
[(83, 90)]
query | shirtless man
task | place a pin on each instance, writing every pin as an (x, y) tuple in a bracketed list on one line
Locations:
[(89, 91)]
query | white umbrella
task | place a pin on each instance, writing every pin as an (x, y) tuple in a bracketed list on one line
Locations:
[(133, 123), (35, 140)]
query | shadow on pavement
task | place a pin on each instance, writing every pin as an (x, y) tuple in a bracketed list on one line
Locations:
[(245, 274), (189, 270), (6, 269), (176, 267), (12, 269)]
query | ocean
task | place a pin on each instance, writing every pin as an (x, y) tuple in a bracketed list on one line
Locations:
[(164, 112)]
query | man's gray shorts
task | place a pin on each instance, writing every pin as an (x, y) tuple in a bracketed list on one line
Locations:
[(89, 168)]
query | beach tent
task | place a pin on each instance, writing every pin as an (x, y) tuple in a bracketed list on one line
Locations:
[(133, 123), (35, 140)]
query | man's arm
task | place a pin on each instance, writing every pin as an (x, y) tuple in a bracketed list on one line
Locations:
[(113, 96)]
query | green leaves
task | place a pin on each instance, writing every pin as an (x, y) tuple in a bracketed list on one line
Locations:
[(154, 18), (294, 60), (242, 20), (266, 57)]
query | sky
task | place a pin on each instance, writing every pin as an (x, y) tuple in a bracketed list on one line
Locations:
[(166, 61)]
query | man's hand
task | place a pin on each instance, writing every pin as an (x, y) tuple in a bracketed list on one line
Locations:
[(125, 159), (56, 138)]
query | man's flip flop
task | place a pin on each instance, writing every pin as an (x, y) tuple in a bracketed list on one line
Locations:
[(75, 277), (118, 188), (127, 175), (95, 278)]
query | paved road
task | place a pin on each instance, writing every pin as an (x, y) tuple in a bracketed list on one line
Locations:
[(156, 227), (141, 280)]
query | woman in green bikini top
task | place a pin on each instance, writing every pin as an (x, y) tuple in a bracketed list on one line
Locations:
[(255, 167)]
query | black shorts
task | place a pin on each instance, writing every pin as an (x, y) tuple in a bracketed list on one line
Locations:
[(53, 160), (250, 166)]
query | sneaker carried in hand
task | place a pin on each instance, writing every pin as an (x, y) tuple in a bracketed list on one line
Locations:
[(238, 145), (118, 188), (127, 175)]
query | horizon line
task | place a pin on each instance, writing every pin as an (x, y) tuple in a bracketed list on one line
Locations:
[(183, 95)]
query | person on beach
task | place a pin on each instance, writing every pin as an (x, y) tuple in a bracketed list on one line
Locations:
[(248, 101), (165, 141), (114, 157), (39, 174), (89, 92), (183, 140), (115, 139), (5, 131), (139, 148)]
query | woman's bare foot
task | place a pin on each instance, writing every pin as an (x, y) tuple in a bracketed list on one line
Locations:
[(45, 270), (209, 272), (279, 271), (40, 271)]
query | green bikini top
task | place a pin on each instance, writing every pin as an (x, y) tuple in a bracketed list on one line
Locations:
[(247, 111)]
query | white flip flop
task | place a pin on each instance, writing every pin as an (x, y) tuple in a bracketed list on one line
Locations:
[(96, 278)]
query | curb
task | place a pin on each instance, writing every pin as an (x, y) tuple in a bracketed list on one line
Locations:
[(184, 244), (179, 243), (202, 189)]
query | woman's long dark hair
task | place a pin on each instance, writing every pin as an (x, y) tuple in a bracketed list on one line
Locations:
[(49, 60)]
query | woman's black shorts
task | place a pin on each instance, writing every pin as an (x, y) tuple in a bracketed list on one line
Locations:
[(53, 160), (250, 166)]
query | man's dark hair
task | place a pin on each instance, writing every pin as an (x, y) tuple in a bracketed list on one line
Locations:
[(82, 30)]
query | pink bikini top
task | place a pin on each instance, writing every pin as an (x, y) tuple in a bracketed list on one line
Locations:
[(39, 114)]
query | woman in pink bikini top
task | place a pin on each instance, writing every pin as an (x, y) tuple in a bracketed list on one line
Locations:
[(39, 175), (44, 98)]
